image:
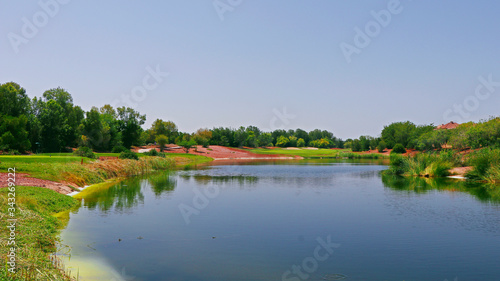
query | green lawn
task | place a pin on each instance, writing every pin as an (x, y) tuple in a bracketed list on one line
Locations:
[(317, 153), (7, 159), (301, 152), (36, 231)]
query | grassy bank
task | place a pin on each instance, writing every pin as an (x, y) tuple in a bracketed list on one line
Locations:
[(36, 232), (318, 153), (485, 164), (70, 169), (36, 229)]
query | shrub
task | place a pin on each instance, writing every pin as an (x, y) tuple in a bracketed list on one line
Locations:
[(14, 152), (398, 148), (154, 152), (356, 145), (85, 152), (162, 140), (301, 142), (381, 146), (398, 165), (186, 144), (128, 155), (118, 149), (485, 163)]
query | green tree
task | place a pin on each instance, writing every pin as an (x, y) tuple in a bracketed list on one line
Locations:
[(356, 145), (160, 127), (162, 140), (72, 115), (203, 137), (129, 125), (301, 142), (187, 144), (398, 132), (282, 141), (13, 100), (381, 146), (293, 141), (265, 139), (52, 119), (398, 148), (14, 135)]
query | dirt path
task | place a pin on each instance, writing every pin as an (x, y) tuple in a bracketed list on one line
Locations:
[(26, 180)]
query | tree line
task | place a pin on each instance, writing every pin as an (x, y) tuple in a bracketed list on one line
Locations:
[(407, 135), (53, 123)]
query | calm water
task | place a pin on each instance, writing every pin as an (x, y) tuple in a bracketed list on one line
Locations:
[(304, 220)]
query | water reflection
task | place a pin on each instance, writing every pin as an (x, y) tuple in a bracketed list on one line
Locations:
[(483, 192), (127, 194), (162, 183)]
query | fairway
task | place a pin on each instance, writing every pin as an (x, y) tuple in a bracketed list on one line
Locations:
[(41, 159), (303, 152)]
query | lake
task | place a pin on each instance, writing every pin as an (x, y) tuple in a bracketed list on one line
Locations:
[(285, 220)]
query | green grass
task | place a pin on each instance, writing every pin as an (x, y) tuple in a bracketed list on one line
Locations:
[(36, 232), (435, 164), (316, 153), (301, 152), (68, 168), (42, 159), (486, 165)]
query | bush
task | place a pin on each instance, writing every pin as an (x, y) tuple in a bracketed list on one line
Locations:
[(128, 155), (485, 163), (398, 165), (154, 152), (14, 152), (85, 152), (398, 148), (118, 149), (301, 142), (381, 146), (356, 146)]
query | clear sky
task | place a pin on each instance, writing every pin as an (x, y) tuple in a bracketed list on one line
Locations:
[(265, 63)]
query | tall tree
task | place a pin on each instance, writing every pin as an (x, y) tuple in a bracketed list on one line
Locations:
[(13, 100), (52, 119), (129, 124)]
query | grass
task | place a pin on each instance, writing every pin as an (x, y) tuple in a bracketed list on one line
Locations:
[(486, 165), (315, 153), (37, 228), (36, 232), (424, 164), (69, 168)]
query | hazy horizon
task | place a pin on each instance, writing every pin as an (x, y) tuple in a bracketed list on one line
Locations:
[(347, 67)]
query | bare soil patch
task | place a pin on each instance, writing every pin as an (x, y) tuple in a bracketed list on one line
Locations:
[(26, 180)]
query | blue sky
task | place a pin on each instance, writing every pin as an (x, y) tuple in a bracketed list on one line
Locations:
[(260, 60)]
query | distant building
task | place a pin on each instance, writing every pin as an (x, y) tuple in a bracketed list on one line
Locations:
[(449, 126)]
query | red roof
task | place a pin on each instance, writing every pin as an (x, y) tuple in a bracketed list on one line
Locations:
[(449, 126)]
